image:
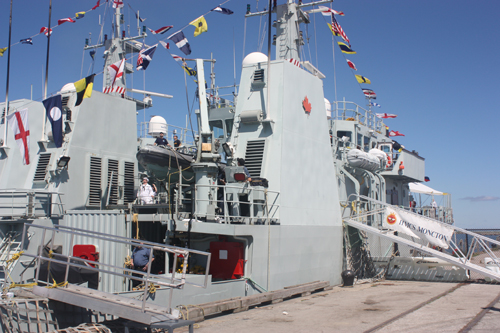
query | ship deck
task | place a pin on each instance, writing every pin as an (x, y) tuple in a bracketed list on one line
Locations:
[(386, 306)]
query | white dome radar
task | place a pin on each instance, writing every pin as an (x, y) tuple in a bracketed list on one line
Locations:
[(254, 58), (157, 125)]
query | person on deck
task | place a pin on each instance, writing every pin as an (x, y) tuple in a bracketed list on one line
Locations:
[(145, 194), (434, 206), (177, 142), (140, 262), (161, 141)]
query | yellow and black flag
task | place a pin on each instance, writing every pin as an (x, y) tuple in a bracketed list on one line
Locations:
[(345, 49), (84, 88), (362, 79), (190, 71), (201, 25), (2, 50)]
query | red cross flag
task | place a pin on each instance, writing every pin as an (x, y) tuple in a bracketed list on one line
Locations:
[(18, 121)]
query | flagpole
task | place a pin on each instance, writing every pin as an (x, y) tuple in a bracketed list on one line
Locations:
[(47, 70), (4, 144)]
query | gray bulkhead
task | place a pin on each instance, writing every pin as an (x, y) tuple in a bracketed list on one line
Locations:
[(298, 163)]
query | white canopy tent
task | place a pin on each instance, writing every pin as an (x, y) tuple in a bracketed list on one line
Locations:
[(421, 188)]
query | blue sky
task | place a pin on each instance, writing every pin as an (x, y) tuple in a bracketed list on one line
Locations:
[(433, 63)]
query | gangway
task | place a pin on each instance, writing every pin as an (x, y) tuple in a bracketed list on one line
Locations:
[(59, 282), (416, 231)]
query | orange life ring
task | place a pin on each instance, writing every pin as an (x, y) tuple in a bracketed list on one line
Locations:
[(389, 161)]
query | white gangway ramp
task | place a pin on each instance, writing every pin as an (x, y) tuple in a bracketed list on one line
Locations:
[(59, 275), (422, 233)]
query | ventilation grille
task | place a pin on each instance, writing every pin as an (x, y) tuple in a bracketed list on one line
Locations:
[(41, 168), (128, 182), (253, 157), (113, 189), (65, 101), (258, 76), (95, 182)]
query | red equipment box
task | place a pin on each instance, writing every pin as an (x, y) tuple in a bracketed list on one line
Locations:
[(227, 260), (86, 251)]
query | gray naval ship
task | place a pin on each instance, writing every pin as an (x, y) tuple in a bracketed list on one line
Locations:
[(309, 201)]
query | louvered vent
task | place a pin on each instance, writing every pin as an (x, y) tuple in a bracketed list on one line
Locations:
[(41, 167), (65, 101), (258, 76), (128, 182), (253, 157), (95, 182), (113, 189)]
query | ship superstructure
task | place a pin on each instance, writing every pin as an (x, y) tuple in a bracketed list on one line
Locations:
[(278, 226)]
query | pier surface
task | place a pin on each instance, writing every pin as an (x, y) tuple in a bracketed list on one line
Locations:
[(386, 306)]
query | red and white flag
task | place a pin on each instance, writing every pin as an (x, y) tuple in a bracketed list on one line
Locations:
[(351, 64), (165, 45), (337, 30), (18, 121), (328, 11), (61, 21), (45, 30), (118, 4), (395, 133), (176, 57), (162, 30), (385, 115), (115, 72)]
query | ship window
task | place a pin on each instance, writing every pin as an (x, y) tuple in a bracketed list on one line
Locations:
[(366, 143), (359, 141), (217, 128), (385, 148), (341, 134), (229, 127)]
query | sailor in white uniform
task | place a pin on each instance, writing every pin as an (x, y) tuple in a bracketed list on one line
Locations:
[(145, 194)]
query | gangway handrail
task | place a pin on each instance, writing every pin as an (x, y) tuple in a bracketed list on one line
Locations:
[(168, 280), (459, 258)]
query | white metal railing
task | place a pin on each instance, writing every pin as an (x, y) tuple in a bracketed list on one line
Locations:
[(367, 214), (30, 203), (173, 281), (343, 110), (263, 205)]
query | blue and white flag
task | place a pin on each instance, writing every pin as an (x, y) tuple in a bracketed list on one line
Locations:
[(145, 57), (181, 41), (223, 10), (53, 107), (27, 41), (374, 104)]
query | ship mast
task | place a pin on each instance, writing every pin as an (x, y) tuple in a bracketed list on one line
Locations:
[(116, 49), (289, 39)]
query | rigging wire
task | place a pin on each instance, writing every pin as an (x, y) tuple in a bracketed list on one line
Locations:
[(262, 37)]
